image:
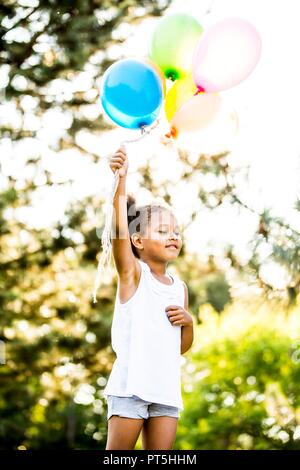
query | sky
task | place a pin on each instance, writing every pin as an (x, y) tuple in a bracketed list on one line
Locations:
[(267, 107)]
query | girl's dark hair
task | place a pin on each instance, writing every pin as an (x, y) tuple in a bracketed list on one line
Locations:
[(138, 217)]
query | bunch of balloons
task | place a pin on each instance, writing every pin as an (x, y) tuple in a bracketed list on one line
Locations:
[(200, 64)]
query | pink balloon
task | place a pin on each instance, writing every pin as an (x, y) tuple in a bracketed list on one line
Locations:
[(226, 54)]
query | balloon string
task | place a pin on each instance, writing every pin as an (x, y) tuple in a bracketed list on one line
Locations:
[(105, 257)]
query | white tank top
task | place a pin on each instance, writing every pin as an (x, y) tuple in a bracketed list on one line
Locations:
[(147, 345)]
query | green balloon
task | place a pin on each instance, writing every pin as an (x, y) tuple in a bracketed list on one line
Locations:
[(173, 43)]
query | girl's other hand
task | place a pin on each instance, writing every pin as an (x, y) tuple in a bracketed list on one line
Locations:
[(119, 161), (179, 316)]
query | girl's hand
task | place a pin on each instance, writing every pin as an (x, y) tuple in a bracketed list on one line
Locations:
[(179, 316), (119, 161)]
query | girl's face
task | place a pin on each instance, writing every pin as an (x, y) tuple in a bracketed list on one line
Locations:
[(162, 240)]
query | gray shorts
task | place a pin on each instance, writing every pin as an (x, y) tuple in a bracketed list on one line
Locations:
[(135, 407)]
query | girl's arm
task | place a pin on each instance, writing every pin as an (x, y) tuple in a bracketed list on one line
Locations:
[(187, 331), (127, 265), (180, 316)]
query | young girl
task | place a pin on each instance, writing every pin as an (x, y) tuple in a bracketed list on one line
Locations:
[(151, 325)]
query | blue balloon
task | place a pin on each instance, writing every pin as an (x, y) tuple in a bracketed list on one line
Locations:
[(131, 93)]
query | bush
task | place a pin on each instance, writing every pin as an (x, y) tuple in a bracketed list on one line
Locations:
[(242, 381)]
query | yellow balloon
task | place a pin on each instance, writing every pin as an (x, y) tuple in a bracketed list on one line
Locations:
[(179, 93)]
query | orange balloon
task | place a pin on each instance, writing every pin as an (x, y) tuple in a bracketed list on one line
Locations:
[(197, 113), (217, 137)]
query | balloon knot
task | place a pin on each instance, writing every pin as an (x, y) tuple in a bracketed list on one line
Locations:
[(172, 133), (200, 90)]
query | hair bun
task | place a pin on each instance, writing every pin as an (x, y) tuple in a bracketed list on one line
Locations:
[(131, 200)]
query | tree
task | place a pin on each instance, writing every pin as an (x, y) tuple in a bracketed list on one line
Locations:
[(242, 379)]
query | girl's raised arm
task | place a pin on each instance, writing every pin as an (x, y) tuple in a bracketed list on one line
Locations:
[(126, 263)]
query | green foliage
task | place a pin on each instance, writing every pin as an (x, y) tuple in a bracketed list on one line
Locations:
[(218, 292), (207, 283), (242, 381)]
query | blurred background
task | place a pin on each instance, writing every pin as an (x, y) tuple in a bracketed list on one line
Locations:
[(237, 199)]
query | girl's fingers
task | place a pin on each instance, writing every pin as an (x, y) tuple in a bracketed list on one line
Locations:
[(121, 157), (117, 159), (120, 154), (116, 165), (172, 313), (172, 307), (175, 319)]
